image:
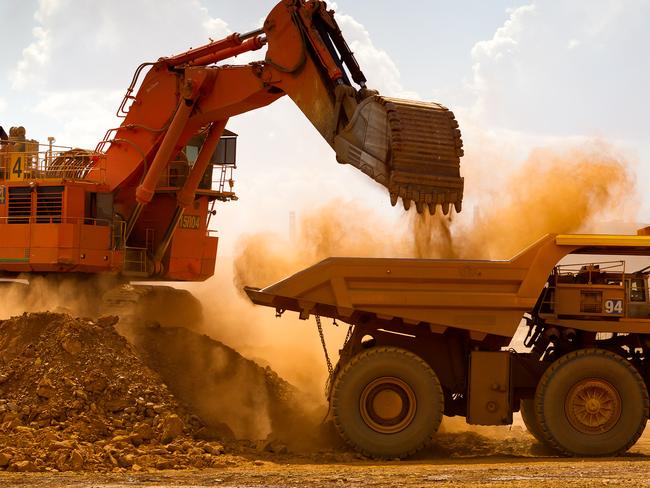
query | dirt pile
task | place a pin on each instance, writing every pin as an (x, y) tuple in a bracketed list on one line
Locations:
[(233, 396), (75, 396)]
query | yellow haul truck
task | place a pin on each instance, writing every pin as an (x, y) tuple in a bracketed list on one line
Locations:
[(433, 337)]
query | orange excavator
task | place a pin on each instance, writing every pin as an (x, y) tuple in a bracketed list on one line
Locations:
[(139, 205)]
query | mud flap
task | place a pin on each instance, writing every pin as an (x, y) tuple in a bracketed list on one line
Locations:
[(489, 401)]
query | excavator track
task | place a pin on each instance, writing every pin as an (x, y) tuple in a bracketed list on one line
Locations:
[(412, 148)]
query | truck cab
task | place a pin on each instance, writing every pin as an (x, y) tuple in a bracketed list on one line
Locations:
[(595, 291)]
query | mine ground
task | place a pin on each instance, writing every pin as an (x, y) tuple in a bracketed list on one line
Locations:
[(511, 471)]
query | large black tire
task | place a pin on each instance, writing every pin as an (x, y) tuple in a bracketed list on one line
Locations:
[(591, 402), (387, 402), (528, 415)]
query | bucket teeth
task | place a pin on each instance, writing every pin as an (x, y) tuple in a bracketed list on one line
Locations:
[(445, 208), (432, 208), (412, 148), (458, 205), (407, 203), (420, 207)]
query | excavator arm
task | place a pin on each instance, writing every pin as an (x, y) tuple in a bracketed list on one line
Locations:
[(411, 148)]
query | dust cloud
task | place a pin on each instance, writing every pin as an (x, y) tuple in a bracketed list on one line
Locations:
[(552, 191), (74, 295)]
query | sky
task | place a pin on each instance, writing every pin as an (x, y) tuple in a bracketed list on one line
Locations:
[(519, 74)]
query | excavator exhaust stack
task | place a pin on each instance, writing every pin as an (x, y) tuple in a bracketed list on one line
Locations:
[(412, 148)]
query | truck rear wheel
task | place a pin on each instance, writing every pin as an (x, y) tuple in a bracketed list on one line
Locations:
[(387, 402), (591, 402)]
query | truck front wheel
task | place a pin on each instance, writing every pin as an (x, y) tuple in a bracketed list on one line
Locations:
[(591, 402), (387, 402)]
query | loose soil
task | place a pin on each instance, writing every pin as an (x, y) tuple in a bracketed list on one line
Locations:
[(82, 406), (76, 396)]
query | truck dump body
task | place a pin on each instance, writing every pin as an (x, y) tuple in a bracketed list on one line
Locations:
[(483, 297)]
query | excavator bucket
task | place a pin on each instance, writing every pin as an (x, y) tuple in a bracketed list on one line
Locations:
[(412, 148)]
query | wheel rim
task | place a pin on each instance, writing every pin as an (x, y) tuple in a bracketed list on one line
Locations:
[(593, 406), (387, 405)]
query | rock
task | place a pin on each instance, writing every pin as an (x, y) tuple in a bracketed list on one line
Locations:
[(70, 461), (49, 437), (23, 466), (195, 451), (276, 447), (116, 405), (66, 444), (97, 384), (144, 430), (126, 461), (214, 432), (45, 388), (146, 460), (214, 448), (172, 427), (79, 393), (75, 461), (71, 346), (5, 458), (25, 431), (165, 464), (121, 439)]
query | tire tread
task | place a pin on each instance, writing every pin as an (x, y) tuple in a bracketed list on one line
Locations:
[(575, 355), (360, 357)]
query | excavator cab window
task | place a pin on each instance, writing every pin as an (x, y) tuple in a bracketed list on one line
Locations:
[(192, 153), (226, 152)]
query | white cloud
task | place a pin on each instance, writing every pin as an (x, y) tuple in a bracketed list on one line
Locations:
[(34, 58), (78, 45), (82, 55), (566, 67), (77, 118), (47, 8), (573, 43), (215, 26), (3, 105)]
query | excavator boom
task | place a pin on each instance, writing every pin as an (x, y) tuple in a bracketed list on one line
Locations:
[(411, 148)]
